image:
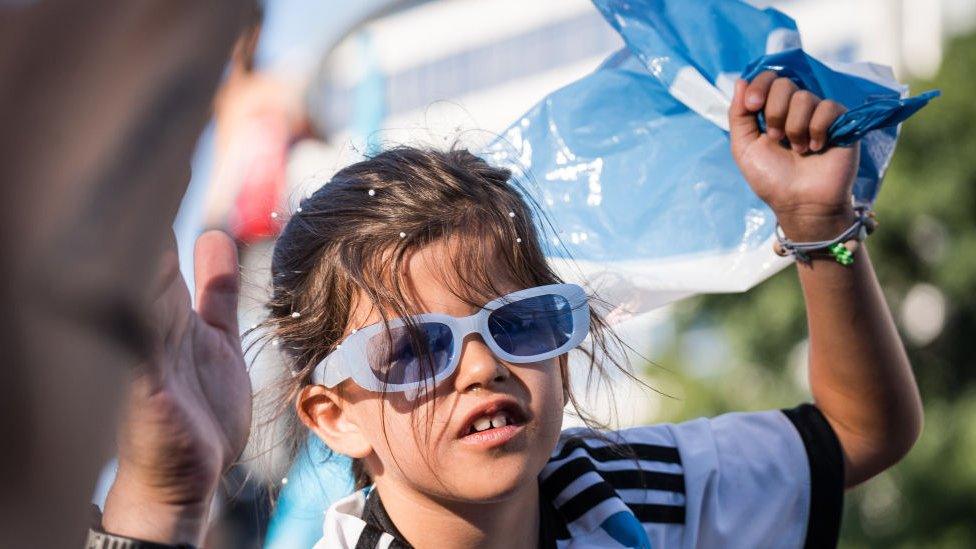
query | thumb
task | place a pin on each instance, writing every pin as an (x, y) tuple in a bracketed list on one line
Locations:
[(217, 280), (743, 126)]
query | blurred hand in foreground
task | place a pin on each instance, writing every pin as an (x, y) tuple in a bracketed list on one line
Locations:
[(188, 411)]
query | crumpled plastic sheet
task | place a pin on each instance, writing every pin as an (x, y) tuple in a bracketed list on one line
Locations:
[(632, 167)]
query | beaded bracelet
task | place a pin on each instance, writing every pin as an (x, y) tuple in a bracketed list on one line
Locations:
[(841, 248)]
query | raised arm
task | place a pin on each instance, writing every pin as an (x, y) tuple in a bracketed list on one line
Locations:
[(859, 373)]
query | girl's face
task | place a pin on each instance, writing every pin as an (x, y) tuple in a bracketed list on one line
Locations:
[(438, 445)]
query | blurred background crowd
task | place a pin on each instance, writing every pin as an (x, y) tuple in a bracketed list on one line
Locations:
[(315, 84)]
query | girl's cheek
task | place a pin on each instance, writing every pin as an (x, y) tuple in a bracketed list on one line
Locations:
[(412, 428), (382, 424)]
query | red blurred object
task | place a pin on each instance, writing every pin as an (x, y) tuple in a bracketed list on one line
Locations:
[(258, 211)]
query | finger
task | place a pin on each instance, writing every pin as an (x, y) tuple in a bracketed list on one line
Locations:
[(217, 280), (823, 117), (758, 89), (798, 119), (777, 107), (743, 127)]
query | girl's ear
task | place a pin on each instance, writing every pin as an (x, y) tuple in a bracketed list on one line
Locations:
[(326, 414)]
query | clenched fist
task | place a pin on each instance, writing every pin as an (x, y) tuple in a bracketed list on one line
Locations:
[(807, 186)]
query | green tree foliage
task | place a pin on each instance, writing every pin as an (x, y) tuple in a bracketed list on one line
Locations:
[(927, 235)]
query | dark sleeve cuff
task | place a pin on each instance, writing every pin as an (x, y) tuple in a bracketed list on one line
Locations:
[(826, 461)]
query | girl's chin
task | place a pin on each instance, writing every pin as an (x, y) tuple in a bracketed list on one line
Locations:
[(493, 476), (492, 488)]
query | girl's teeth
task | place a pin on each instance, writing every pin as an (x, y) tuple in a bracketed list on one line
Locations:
[(482, 424), (489, 422)]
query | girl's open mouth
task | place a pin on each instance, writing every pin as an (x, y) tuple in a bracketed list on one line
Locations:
[(494, 424)]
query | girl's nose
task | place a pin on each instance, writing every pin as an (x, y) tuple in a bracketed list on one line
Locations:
[(478, 368)]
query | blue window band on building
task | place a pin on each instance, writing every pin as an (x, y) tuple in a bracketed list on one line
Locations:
[(475, 69)]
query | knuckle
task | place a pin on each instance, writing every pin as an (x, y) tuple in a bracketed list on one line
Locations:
[(795, 132), (803, 98), (819, 127), (775, 118), (783, 83), (833, 107), (761, 82)]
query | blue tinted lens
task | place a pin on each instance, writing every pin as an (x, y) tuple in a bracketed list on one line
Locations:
[(395, 359), (532, 326)]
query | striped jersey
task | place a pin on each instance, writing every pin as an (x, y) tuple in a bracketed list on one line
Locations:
[(762, 479)]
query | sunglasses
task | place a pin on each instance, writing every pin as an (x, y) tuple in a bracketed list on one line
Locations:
[(525, 326)]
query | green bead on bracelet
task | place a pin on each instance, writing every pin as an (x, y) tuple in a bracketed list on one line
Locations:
[(842, 254)]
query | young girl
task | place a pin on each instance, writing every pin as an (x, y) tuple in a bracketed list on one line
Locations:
[(428, 341)]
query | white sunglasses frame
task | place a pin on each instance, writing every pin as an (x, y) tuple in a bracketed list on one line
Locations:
[(348, 360)]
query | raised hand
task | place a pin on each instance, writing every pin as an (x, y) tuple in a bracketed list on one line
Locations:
[(860, 376), (808, 187), (188, 411)]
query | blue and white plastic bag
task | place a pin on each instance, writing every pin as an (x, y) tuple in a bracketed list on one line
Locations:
[(632, 163)]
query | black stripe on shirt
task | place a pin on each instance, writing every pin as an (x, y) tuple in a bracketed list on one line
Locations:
[(369, 538), (377, 522), (659, 513), (552, 526), (623, 450), (645, 480), (826, 461), (558, 480), (593, 495)]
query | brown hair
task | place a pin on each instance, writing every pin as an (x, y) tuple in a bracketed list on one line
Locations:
[(353, 235)]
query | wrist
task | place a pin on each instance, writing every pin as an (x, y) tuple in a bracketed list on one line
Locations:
[(135, 512), (815, 227)]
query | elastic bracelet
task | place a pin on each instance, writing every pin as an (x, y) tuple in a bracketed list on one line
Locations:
[(841, 248)]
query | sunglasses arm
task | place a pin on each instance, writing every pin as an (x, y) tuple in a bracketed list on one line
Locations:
[(330, 372)]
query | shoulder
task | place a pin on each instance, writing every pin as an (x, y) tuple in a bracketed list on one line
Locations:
[(736, 480), (699, 439), (593, 475), (768, 444), (653, 441)]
